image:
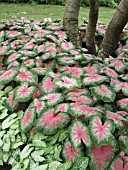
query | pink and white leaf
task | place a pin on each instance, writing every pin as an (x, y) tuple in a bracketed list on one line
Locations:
[(118, 65), (121, 86), (78, 92), (118, 164), (84, 110), (11, 104), (3, 50), (123, 104), (8, 76), (117, 119), (68, 83), (71, 154), (83, 99), (53, 99), (26, 122), (101, 133), (111, 73), (79, 132), (94, 79), (67, 46), (23, 93), (26, 76), (39, 70), (101, 156), (63, 107), (47, 85), (50, 123), (40, 106), (104, 93)]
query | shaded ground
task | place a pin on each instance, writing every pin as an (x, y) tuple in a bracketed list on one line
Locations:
[(5, 167)]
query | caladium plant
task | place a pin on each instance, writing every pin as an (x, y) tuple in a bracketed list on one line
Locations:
[(74, 104)]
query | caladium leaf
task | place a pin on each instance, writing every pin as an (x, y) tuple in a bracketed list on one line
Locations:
[(26, 76), (92, 70), (104, 93), (45, 56), (118, 119), (28, 46), (50, 123), (11, 104), (118, 164), (78, 92), (123, 113), (47, 85), (84, 110), (40, 106), (83, 99), (123, 104), (13, 57), (8, 76), (40, 49), (121, 86), (51, 50), (2, 25), (26, 122), (71, 154), (100, 157), (111, 73), (53, 99), (94, 79), (66, 60), (79, 132), (67, 46), (27, 53), (63, 107), (101, 134), (80, 163), (68, 83), (4, 50), (29, 63), (13, 34), (54, 27), (119, 65), (14, 64), (39, 70), (74, 71), (23, 93)]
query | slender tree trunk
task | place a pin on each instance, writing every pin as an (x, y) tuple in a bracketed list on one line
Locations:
[(115, 27), (91, 28), (70, 21)]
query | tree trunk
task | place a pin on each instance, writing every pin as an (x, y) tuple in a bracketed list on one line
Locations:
[(70, 21), (91, 28), (115, 27)]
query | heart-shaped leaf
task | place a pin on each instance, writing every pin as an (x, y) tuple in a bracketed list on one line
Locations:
[(104, 93), (49, 123), (101, 133), (79, 132)]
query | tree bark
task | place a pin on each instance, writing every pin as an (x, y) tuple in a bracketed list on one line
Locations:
[(91, 27), (115, 27), (70, 21)]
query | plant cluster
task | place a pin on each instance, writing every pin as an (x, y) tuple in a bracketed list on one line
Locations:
[(61, 108)]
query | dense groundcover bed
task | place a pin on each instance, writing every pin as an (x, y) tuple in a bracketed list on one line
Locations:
[(60, 108)]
